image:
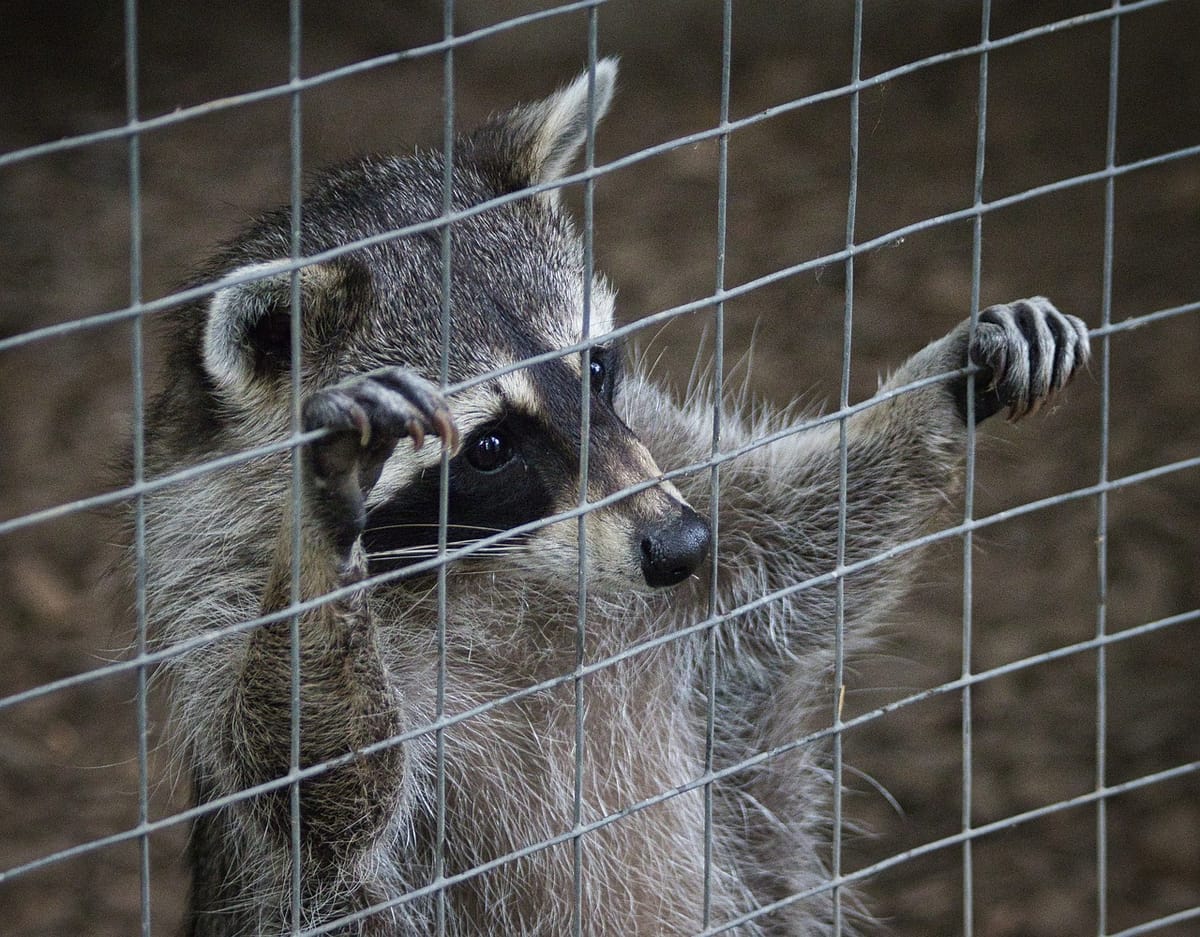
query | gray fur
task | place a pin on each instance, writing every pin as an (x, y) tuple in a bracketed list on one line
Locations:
[(220, 555)]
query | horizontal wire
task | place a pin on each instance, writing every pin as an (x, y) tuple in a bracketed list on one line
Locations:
[(299, 85), (1190, 914), (182, 115), (1005, 823), (763, 910), (247, 455), (149, 307), (448, 721), (189, 644)]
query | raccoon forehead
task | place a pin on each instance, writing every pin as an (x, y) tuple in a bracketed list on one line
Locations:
[(568, 330), (485, 403)]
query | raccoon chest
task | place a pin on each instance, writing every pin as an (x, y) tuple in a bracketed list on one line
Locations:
[(518, 788)]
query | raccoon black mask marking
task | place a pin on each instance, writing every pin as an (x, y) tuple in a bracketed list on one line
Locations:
[(512, 471), (506, 474), (372, 681)]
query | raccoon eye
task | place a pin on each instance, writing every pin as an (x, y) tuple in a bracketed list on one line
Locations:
[(601, 384), (489, 452)]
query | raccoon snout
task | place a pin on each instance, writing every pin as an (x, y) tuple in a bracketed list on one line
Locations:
[(672, 549)]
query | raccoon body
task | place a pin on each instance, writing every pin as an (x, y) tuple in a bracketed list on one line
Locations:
[(221, 555)]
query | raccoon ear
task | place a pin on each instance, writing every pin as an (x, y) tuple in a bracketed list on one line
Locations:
[(536, 143), (248, 328)]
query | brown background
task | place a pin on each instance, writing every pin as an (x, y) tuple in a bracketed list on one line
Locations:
[(68, 770)]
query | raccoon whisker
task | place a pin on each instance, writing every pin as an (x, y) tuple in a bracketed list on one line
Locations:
[(433, 546), (451, 544), (433, 525), (431, 550), (402, 552)]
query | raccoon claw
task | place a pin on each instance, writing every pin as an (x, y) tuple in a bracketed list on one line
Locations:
[(442, 424), (428, 411), (1027, 352), (446, 429), (365, 421), (415, 433)]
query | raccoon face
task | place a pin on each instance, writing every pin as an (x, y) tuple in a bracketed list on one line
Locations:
[(517, 291), (519, 463)]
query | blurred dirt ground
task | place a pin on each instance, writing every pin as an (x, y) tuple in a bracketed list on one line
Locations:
[(68, 768)]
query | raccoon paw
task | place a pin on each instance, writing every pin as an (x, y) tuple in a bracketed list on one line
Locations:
[(1028, 351), (365, 422)]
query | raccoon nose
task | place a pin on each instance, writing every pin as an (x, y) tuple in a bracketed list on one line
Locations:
[(672, 551)]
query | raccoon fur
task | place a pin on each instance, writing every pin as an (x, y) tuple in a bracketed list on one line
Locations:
[(375, 858)]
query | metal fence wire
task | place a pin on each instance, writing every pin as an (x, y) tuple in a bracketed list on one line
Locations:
[(790, 200)]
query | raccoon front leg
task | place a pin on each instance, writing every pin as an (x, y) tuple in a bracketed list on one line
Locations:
[(780, 503), (779, 518), (346, 702), (904, 455)]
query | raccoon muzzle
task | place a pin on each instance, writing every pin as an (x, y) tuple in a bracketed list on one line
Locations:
[(674, 548)]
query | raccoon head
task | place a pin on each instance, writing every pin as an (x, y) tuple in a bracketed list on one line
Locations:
[(517, 290)]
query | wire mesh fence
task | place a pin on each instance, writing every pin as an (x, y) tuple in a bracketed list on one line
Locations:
[(791, 201)]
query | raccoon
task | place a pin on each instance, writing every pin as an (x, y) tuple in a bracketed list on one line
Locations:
[(448, 781)]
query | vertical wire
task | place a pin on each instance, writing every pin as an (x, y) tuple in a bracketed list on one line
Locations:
[(968, 543), (439, 856), (294, 28), (139, 454), (1102, 496), (839, 649), (710, 648), (585, 423)]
